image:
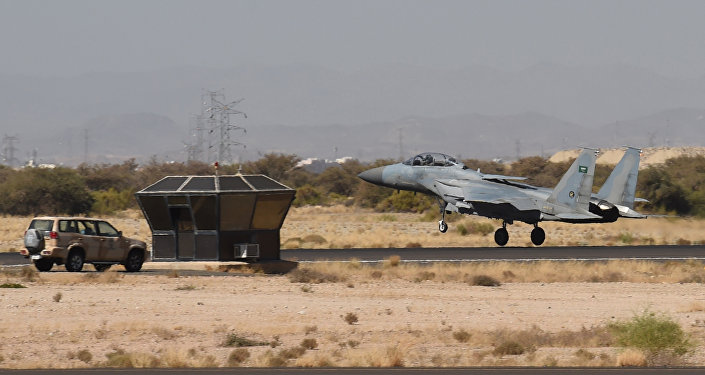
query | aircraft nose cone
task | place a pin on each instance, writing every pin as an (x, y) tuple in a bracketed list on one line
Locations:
[(373, 175)]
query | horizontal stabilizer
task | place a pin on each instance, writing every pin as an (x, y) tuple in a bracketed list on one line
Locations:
[(627, 212)]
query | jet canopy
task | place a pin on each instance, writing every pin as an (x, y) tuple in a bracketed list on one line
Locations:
[(432, 159)]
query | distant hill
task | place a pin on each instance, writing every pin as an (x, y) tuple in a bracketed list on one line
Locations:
[(475, 111), (650, 155)]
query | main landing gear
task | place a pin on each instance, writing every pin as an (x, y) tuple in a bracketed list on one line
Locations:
[(537, 235), (501, 236)]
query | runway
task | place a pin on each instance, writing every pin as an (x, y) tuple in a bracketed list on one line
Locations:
[(475, 254)]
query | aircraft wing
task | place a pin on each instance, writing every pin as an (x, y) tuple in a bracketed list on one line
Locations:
[(480, 192)]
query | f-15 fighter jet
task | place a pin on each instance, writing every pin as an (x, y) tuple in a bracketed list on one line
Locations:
[(459, 189)]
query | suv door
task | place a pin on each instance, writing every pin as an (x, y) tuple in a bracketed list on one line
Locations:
[(68, 233), (90, 239), (111, 248)]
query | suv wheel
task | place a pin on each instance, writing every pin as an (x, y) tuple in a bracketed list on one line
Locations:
[(134, 261), (44, 264), (74, 262)]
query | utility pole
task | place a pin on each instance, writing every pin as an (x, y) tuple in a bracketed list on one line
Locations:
[(220, 126), (85, 146)]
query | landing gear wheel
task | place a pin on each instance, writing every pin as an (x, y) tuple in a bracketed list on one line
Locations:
[(538, 236), (501, 236), (101, 267), (134, 261), (44, 264), (442, 226), (74, 262)]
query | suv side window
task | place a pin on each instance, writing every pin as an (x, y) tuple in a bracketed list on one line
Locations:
[(107, 230), (67, 226), (86, 227)]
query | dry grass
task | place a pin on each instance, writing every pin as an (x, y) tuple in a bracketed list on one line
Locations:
[(344, 227), (495, 273), (631, 358)]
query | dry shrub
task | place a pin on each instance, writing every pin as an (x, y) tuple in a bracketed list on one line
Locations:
[(29, 274), (57, 297), (110, 276), (233, 339), (683, 242), (424, 275), (584, 354), (164, 333), (120, 358), (82, 355), (310, 329), (394, 358), (350, 318), (412, 245), (392, 261), (376, 274), (315, 239), (312, 276), (314, 361), (292, 353), (462, 335), (509, 348), (484, 280), (238, 356), (631, 358), (309, 344)]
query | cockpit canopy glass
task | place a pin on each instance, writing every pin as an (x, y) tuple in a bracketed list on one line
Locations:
[(429, 159)]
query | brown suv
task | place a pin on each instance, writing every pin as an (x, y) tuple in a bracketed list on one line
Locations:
[(74, 241)]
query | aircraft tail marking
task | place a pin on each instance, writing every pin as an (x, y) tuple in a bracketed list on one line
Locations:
[(575, 187)]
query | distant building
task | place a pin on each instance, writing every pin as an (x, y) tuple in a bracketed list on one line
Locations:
[(316, 165)]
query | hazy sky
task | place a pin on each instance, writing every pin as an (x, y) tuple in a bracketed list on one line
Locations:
[(75, 37)]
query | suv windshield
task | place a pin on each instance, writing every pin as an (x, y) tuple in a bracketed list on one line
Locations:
[(43, 225)]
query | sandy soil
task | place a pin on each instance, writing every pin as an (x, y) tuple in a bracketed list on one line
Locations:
[(183, 321)]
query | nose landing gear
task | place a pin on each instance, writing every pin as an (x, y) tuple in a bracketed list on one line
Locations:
[(442, 226)]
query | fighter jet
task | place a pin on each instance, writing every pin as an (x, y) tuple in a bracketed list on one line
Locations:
[(463, 190)]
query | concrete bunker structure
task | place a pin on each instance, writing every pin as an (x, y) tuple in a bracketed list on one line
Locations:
[(215, 218)]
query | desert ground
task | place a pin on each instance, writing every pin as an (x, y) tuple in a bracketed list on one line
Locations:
[(351, 314)]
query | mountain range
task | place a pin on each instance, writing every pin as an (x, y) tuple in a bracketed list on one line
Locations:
[(477, 111)]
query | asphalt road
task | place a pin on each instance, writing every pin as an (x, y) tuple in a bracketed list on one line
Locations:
[(470, 254), (459, 254), (378, 371)]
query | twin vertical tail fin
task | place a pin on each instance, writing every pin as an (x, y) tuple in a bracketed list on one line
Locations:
[(620, 187), (575, 187)]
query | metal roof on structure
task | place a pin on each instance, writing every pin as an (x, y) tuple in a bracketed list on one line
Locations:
[(215, 184)]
